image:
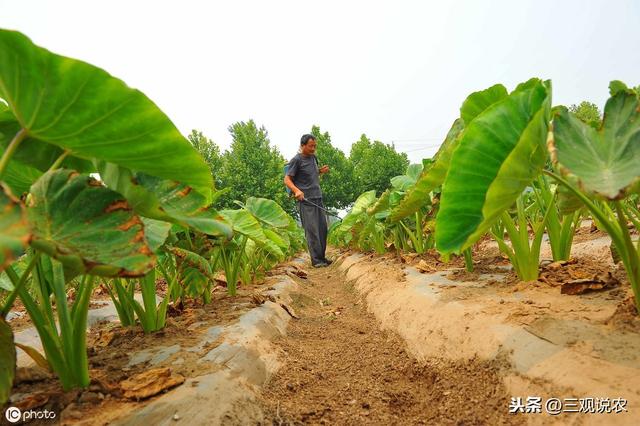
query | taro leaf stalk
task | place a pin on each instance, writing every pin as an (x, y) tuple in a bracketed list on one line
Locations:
[(7, 361), (560, 227), (468, 259), (604, 163), (231, 254), (523, 253), (152, 316), (64, 340), (401, 184), (122, 295)]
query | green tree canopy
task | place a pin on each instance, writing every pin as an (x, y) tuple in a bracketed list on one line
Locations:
[(374, 164), (587, 112), (338, 185), (252, 167), (210, 151)]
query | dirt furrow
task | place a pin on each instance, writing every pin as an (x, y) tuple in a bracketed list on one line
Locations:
[(340, 368)]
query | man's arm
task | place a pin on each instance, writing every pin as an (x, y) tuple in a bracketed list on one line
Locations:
[(296, 191)]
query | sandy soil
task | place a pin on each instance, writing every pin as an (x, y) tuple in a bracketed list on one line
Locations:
[(339, 368), (551, 344), (392, 339), (117, 354)]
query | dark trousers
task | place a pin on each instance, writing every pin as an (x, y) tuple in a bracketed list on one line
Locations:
[(314, 222)]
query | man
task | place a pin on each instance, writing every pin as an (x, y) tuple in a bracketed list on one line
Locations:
[(303, 179)]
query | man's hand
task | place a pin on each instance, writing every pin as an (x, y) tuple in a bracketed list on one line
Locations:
[(324, 169), (299, 195)]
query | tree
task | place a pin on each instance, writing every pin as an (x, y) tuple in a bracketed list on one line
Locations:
[(252, 168), (338, 185), (374, 164), (587, 112), (209, 151)]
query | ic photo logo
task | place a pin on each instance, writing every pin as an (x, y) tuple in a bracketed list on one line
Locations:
[(13, 414)]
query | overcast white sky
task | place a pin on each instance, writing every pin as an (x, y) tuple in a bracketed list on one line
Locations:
[(396, 70)]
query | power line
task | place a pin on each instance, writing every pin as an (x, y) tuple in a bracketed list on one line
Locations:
[(416, 140), (421, 149)]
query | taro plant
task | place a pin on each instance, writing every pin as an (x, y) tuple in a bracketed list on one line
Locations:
[(435, 172), (111, 243), (348, 230), (261, 221), (498, 147), (500, 152), (63, 335), (604, 164), (193, 272), (61, 119), (122, 293), (152, 316), (401, 184), (491, 153)]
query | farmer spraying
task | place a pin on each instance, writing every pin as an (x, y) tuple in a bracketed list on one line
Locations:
[(303, 179)]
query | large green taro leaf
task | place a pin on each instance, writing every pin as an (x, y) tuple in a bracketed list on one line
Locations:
[(88, 227), (435, 173), (357, 214), (479, 101), (14, 228), (165, 200), (363, 202), (32, 152), (7, 361), (279, 240), (246, 224), (267, 212), (81, 108), (500, 152), (407, 180), (604, 161)]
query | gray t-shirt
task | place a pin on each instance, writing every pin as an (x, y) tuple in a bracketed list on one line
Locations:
[(305, 175)]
